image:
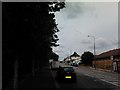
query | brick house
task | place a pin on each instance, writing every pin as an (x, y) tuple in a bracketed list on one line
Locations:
[(107, 59)]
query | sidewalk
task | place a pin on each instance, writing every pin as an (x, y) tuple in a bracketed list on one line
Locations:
[(105, 70), (104, 75), (42, 79)]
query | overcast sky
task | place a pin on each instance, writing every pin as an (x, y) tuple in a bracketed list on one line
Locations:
[(80, 19)]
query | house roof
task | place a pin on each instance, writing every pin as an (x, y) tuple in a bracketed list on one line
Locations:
[(114, 52), (75, 54)]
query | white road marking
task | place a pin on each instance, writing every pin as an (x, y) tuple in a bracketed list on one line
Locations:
[(110, 82)]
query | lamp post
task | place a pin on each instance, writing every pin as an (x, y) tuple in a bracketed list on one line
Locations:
[(94, 49), (94, 43)]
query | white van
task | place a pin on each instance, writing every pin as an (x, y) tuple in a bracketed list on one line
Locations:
[(54, 64)]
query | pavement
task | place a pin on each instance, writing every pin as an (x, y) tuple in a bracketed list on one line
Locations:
[(42, 79), (102, 74), (104, 70)]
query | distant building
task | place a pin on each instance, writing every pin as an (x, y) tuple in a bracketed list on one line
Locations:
[(67, 59), (73, 59), (75, 56)]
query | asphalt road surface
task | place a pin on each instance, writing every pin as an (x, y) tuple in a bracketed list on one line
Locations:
[(85, 82), (87, 78)]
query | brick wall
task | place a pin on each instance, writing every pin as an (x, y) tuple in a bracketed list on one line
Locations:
[(103, 64)]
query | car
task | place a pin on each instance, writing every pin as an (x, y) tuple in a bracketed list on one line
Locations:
[(66, 73), (61, 61), (75, 64)]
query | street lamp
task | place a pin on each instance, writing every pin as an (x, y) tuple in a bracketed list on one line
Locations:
[(94, 50), (94, 43)]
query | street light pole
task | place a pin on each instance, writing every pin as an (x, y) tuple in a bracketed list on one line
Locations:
[(94, 46), (94, 50), (94, 43)]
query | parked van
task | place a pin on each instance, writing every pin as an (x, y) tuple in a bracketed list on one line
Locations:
[(54, 64)]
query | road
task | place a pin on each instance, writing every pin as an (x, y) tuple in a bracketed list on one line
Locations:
[(88, 79)]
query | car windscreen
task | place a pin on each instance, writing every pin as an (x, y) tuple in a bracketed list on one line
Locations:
[(68, 69)]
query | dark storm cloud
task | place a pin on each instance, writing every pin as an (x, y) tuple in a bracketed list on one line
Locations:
[(73, 9)]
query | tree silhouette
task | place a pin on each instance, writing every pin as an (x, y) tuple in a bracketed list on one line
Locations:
[(29, 32), (54, 56), (87, 58)]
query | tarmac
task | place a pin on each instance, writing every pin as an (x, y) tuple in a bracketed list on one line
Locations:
[(44, 79)]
